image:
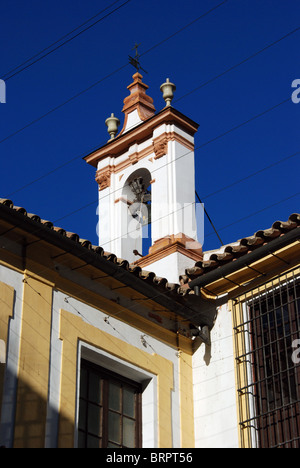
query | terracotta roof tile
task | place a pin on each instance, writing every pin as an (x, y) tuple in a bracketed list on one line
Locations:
[(147, 276), (230, 252), (60, 231), (211, 260)]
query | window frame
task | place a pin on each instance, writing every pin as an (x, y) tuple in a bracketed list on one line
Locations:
[(107, 377), (246, 352)]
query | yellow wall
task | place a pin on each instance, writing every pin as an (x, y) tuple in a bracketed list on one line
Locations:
[(186, 400), (32, 392), (6, 311), (73, 329), (34, 361), (33, 369)]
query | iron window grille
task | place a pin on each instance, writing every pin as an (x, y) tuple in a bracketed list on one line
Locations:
[(266, 330), (109, 409)]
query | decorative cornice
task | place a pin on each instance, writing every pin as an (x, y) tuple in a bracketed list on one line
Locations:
[(160, 146), (171, 244), (138, 100), (133, 157), (103, 177), (119, 145)]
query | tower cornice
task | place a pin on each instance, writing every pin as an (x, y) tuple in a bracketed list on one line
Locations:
[(143, 131)]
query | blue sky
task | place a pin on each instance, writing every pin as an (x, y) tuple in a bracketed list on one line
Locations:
[(247, 173)]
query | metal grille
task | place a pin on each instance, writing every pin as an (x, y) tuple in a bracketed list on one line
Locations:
[(268, 368)]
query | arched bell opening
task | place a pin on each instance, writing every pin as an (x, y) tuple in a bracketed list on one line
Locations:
[(137, 193)]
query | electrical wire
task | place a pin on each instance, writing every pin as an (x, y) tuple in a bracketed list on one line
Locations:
[(158, 44), (196, 148), (253, 174), (104, 78), (211, 80), (193, 203), (15, 71), (257, 212), (124, 66), (184, 27), (182, 156), (185, 154), (209, 219), (38, 119)]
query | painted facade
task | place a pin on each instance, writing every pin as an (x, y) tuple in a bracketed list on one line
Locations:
[(199, 347), (59, 307), (248, 377)]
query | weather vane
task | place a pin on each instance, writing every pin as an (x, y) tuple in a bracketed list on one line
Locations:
[(135, 61)]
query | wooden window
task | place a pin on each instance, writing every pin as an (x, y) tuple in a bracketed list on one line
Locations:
[(109, 409)]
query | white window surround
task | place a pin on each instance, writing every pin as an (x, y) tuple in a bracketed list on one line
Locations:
[(119, 329), (125, 369), (14, 279), (2, 352)]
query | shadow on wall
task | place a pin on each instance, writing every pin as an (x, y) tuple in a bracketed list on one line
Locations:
[(207, 354), (28, 422)]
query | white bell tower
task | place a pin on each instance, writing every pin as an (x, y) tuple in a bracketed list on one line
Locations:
[(146, 179)]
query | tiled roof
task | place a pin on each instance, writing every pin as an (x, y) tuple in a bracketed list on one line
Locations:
[(229, 253), (211, 260), (147, 276)]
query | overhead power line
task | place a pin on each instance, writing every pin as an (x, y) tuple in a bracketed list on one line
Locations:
[(208, 142), (253, 174), (80, 93), (257, 212), (204, 144), (184, 27), (38, 119), (224, 227), (250, 57), (38, 57), (204, 84), (209, 219), (224, 188), (162, 217), (182, 156)]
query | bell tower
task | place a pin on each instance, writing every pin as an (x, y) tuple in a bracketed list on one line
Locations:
[(146, 179)]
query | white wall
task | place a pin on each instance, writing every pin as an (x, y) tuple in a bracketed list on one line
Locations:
[(216, 424), (172, 192), (171, 267)]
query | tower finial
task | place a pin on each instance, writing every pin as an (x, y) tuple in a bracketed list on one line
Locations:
[(112, 124), (168, 89)]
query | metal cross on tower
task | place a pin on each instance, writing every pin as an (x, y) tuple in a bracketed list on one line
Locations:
[(135, 61)]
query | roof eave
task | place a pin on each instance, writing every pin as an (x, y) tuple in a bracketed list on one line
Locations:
[(187, 306), (245, 260)]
